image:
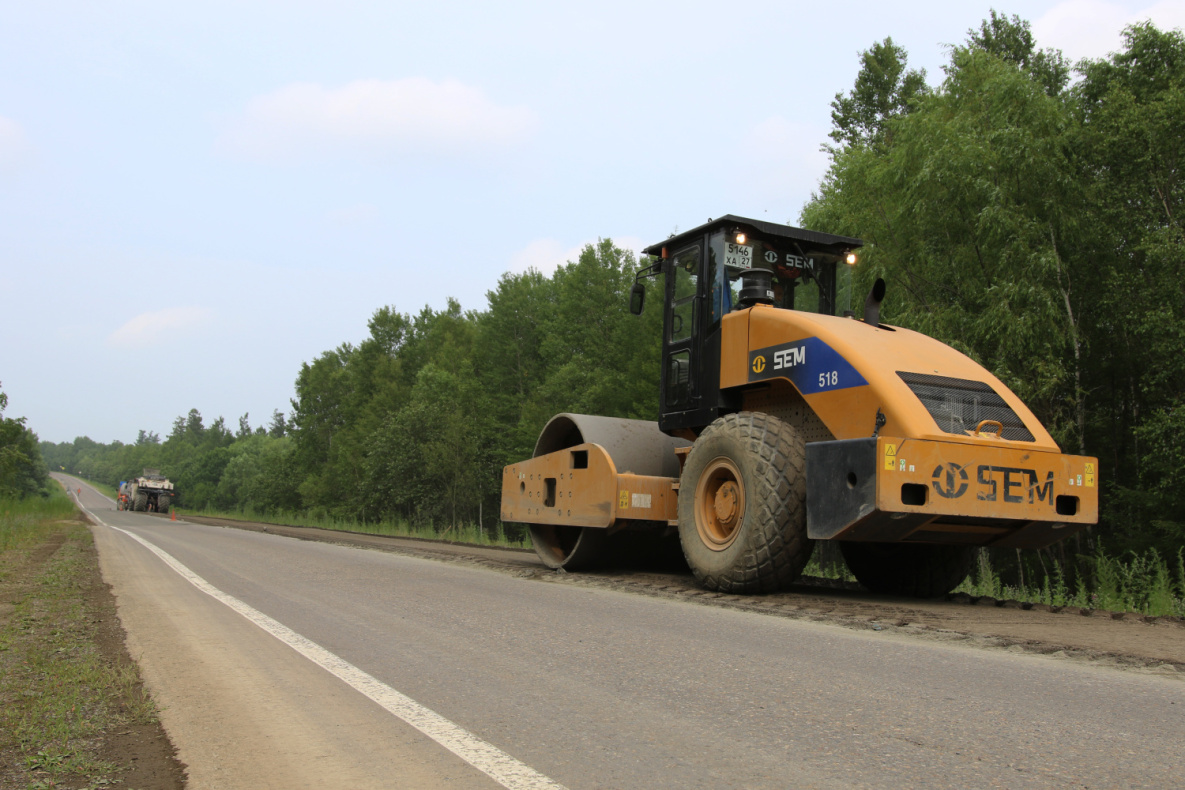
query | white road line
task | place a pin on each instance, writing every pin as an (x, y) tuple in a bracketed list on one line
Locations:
[(497, 764)]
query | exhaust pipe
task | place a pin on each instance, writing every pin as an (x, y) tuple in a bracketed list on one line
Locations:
[(872, 304)]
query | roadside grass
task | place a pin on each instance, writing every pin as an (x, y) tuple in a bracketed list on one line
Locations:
[(59, 696), (830, 568), (21, 520), (1143, 583), (399, 528)]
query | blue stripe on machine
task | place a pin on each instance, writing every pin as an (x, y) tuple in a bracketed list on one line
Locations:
[(812, 365)]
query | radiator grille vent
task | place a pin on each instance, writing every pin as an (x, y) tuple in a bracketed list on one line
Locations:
[(959, 405)]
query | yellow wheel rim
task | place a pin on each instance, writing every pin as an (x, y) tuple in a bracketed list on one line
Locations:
[(719, 504)]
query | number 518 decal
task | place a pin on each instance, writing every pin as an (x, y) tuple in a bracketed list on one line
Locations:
[(812, 365)]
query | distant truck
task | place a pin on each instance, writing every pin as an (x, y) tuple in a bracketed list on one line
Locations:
[(123, 499), (152, 492)]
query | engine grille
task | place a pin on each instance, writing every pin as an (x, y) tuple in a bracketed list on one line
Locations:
[(959, 405)]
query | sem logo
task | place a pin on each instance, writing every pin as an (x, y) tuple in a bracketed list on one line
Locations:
[(758, 364), (950, 481), (789, 357), (1013, 483), (799, 262)]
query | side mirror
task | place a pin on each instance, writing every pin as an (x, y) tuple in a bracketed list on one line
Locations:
[(637, 298)]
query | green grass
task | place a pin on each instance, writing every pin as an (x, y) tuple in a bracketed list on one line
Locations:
[(21, 520), (467, 533), (838, 571), (1143, 583), (58, 694)]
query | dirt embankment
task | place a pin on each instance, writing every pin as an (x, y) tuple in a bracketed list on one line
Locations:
[(1122, 640), (67, 602)]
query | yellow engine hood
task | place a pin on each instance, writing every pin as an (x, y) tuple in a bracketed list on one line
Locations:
[(846, 370)]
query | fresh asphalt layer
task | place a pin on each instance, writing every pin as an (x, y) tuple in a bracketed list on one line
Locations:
[(594, 688)]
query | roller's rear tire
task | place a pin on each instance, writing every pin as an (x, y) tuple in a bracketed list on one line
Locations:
[(163, 503), (569, 548), (141, 503), (917, 570), (742, 505)]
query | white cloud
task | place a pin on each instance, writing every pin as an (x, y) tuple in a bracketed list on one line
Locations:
[(547, 255), (159, 327), (1092, 28), (368, 117), (631, 243), (14, 146), (544, 255)]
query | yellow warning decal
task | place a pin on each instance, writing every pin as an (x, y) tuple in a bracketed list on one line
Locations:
[(623, 501), (890, 457), (1089, 481)]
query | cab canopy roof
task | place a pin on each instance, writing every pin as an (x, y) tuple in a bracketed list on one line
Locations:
[(760, 229)]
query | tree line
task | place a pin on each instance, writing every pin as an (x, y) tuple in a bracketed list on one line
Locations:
[(1026, 210), (22, 471), (417, 420)]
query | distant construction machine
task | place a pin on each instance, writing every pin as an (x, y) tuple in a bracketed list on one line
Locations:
[(150, 492), (784, 420)]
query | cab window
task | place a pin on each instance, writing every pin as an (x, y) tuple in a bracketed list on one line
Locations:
[(796, 279), (686, 269)]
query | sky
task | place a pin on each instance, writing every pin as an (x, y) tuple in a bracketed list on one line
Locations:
[(197, 198)]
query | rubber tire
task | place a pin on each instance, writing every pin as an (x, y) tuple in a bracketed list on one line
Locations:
[(917, 570), (141, 503), (770, 547), (569, 548), (163, 503)]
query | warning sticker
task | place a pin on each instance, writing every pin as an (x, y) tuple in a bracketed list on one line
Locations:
[(623, 501), (890, 457), (1088, 478)]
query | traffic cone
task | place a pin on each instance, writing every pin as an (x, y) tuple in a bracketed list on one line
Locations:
[(173, 514)]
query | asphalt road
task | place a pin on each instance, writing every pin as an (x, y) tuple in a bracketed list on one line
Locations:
[(591, 688)]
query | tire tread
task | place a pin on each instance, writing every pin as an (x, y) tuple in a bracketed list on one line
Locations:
[(776, 549)]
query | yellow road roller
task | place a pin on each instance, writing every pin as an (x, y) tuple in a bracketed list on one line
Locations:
[(785, 419)]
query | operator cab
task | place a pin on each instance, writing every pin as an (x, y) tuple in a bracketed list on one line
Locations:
[(705, 279)]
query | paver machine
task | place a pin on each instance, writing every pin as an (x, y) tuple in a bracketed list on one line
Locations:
[(785, 419)]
